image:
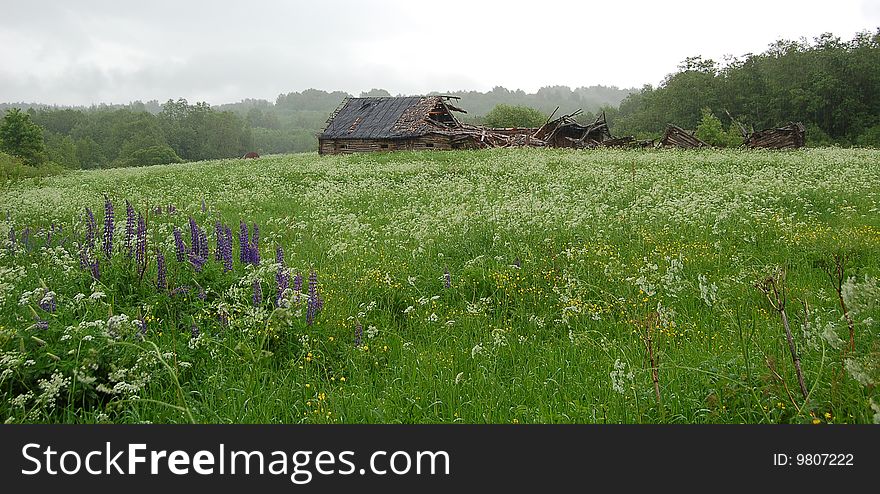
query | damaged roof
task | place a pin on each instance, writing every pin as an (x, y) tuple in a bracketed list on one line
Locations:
[(389, 118)]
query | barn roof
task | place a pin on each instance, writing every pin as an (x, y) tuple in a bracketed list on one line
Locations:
[(389, 118)]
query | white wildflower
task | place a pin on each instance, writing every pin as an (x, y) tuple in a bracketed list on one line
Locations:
[(708, 291), (620, 377), (371, 331)]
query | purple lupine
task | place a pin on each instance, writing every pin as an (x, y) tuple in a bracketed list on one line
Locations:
[(447, 279), (108, 228), (47, 303), (218, 234), (258, 293), (312, 302), (202, 294), (204, 207), (358, 333), (141, 325), (41, 324), (140, 250), (227, 249), (282, 281), (129, 229), (279, 255), (243, 244), (204, 250), (194, 331), (179, 245), (255, 246), (179, 290), (95, 267), (26, 238), (91, 228), (197, 261), (12, 238), (161, 279), (223, 318), (49, 233), (84, 262), (297, 286)]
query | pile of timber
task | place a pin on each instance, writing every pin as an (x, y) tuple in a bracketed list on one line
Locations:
[(789, 137), (478, 137), (626, 141), (677, 137), (565, 131)]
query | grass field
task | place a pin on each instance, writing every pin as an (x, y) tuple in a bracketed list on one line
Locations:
[(502, 286)]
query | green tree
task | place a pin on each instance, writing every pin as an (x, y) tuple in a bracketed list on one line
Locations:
[(89, 154), (152, 155), (62, 150), (830, 85), (20, 137), (514, 116), (710, 130)]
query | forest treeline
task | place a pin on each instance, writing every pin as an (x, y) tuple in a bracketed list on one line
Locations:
[(139, 134), (829, 84)]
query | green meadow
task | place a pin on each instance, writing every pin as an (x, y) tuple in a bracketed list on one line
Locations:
[(493, 286)]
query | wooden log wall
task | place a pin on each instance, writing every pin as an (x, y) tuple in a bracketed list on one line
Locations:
[(675, 136), (792, 136), (346, 146)]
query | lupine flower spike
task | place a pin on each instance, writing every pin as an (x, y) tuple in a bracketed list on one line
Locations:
[(161, 281), (313, 302), (47, 303), (91, 227), (258, 293), (179, 245), (255, 246), (108, 228)]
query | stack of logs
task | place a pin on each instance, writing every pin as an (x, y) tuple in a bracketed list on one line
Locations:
[(791, 136), (677, 137), (475, 137)]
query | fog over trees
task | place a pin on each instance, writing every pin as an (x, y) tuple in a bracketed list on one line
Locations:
[(830, 84)]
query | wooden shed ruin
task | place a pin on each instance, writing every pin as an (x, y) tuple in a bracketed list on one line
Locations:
[(792, 136), (677, 137), (566, 132), (390, 123), (427, 122)]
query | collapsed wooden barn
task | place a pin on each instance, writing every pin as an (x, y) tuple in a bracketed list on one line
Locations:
[(388, 124), (411, 123), (427, 122), (677, 137), (791, 136), (566, 132)]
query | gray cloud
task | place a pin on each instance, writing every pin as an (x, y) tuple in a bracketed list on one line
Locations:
[(220, 51)]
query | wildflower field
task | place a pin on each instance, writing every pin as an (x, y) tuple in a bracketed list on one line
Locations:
[(495, 286)]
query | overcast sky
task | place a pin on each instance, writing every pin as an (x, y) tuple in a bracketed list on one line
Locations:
[(89, 51)]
